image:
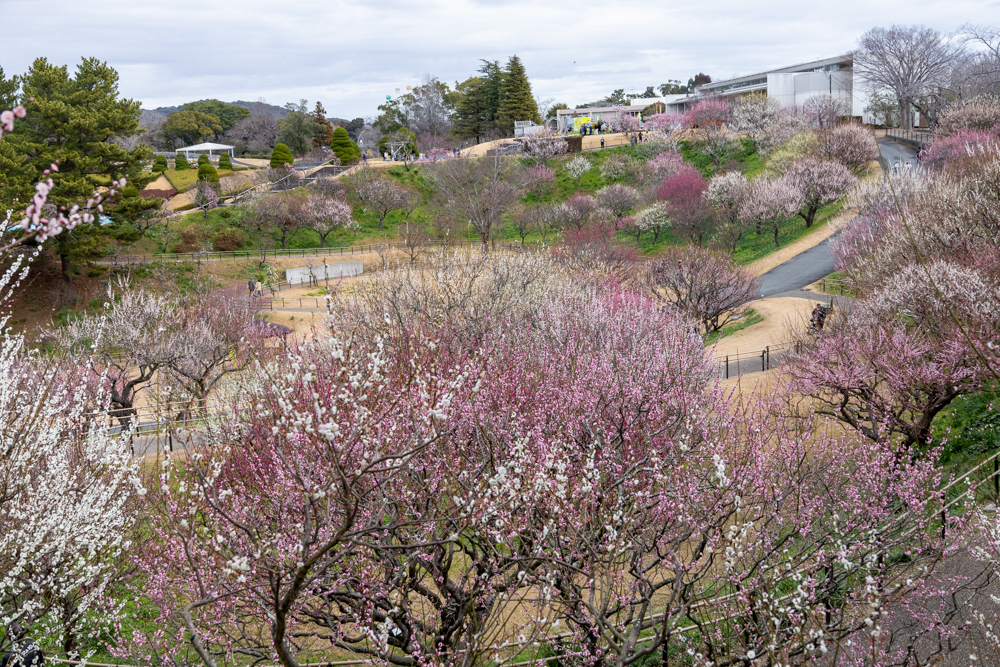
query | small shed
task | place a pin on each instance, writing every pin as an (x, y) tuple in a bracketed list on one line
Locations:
[(209, 148)]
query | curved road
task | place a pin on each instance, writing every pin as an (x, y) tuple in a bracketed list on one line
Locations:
[(804, 269), (809, 266)]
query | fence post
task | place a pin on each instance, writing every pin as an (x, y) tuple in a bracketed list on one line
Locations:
[(727, 366), (767, 351)]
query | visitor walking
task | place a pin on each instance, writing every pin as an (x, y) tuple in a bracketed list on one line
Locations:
[(602, 142), (640, 136), (250, 286)]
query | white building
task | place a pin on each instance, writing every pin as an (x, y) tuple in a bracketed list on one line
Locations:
[(791, 86), (570, 120)]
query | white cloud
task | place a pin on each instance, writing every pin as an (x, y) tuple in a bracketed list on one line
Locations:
[(351, 54)]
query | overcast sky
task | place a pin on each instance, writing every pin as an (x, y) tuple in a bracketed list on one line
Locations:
[(350, 54)]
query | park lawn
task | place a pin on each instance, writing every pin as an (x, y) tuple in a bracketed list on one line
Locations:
[(186, 179), (750, 318), (750, 248)]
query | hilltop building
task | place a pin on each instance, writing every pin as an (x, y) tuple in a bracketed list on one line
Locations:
[(791, 86)]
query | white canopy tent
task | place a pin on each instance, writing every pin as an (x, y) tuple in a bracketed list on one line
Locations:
[(206, 148)]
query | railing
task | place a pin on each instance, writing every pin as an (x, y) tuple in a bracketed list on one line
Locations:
[(835, 286), (918, 137), (734, 365), (215, 255)]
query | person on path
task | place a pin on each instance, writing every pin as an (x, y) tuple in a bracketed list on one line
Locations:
[(250, 286), (602, 142), (260, 288), (24, 652), (640, 136), (895, 167)]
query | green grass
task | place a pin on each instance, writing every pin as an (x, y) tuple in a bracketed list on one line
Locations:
[(750, 318), (749, 249), (836, 278), (185, 180)]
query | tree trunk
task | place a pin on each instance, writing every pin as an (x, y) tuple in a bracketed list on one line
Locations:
[(65, 265)]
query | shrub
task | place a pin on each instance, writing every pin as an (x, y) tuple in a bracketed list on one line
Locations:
[(206, 172), (158, 168), (181, 163), (282, 155), (225, 162), (957, 147), (159, 164), (130, 192), (979, 113), (343, 147), (190, 241), (203, 159), (230, 238)]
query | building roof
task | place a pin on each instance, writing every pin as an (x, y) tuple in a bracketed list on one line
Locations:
[(801, 67), (205, 147)]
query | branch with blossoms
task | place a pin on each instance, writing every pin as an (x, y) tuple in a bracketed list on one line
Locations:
[(38, 225)]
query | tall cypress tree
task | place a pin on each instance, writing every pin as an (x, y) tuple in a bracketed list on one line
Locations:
[(516, 100), (469, 110)]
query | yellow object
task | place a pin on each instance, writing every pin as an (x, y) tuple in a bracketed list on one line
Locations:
[(577, 122)]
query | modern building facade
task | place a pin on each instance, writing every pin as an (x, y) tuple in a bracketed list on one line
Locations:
[(570, 120), (791, 86)]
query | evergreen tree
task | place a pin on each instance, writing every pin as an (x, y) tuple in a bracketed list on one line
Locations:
[(225, 162), (206, 172), (228, 114), (8, 91), (319, 117), (72, 121), (469, 110), (203, 159), (281, 155), (478, 104), (159, 164), (181, 163), (344, 148), (516, 100)]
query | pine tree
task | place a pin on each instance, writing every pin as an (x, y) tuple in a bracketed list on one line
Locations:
[(203, 159), (225, 162), (73, 118), (516, 100), (181, 163), (281, 155), (344, 148)]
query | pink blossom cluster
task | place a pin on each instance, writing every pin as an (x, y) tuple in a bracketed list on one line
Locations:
[(7, 119), (36, 223), (398, 490)]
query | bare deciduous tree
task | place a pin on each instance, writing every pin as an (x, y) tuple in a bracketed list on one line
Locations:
[(706, 285), (378, 194), (910, 61), (480, 191)]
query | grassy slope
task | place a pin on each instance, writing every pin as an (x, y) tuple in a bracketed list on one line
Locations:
[(749, 249), (185, 180)]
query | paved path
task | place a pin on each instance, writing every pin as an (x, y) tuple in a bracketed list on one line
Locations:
[(803, 269), (893, 151)]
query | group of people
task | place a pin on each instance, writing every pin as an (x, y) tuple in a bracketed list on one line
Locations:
[(818, 317), (898, 168)]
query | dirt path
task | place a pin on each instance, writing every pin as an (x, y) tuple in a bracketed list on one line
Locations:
[(780, 315), (160, 183)]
